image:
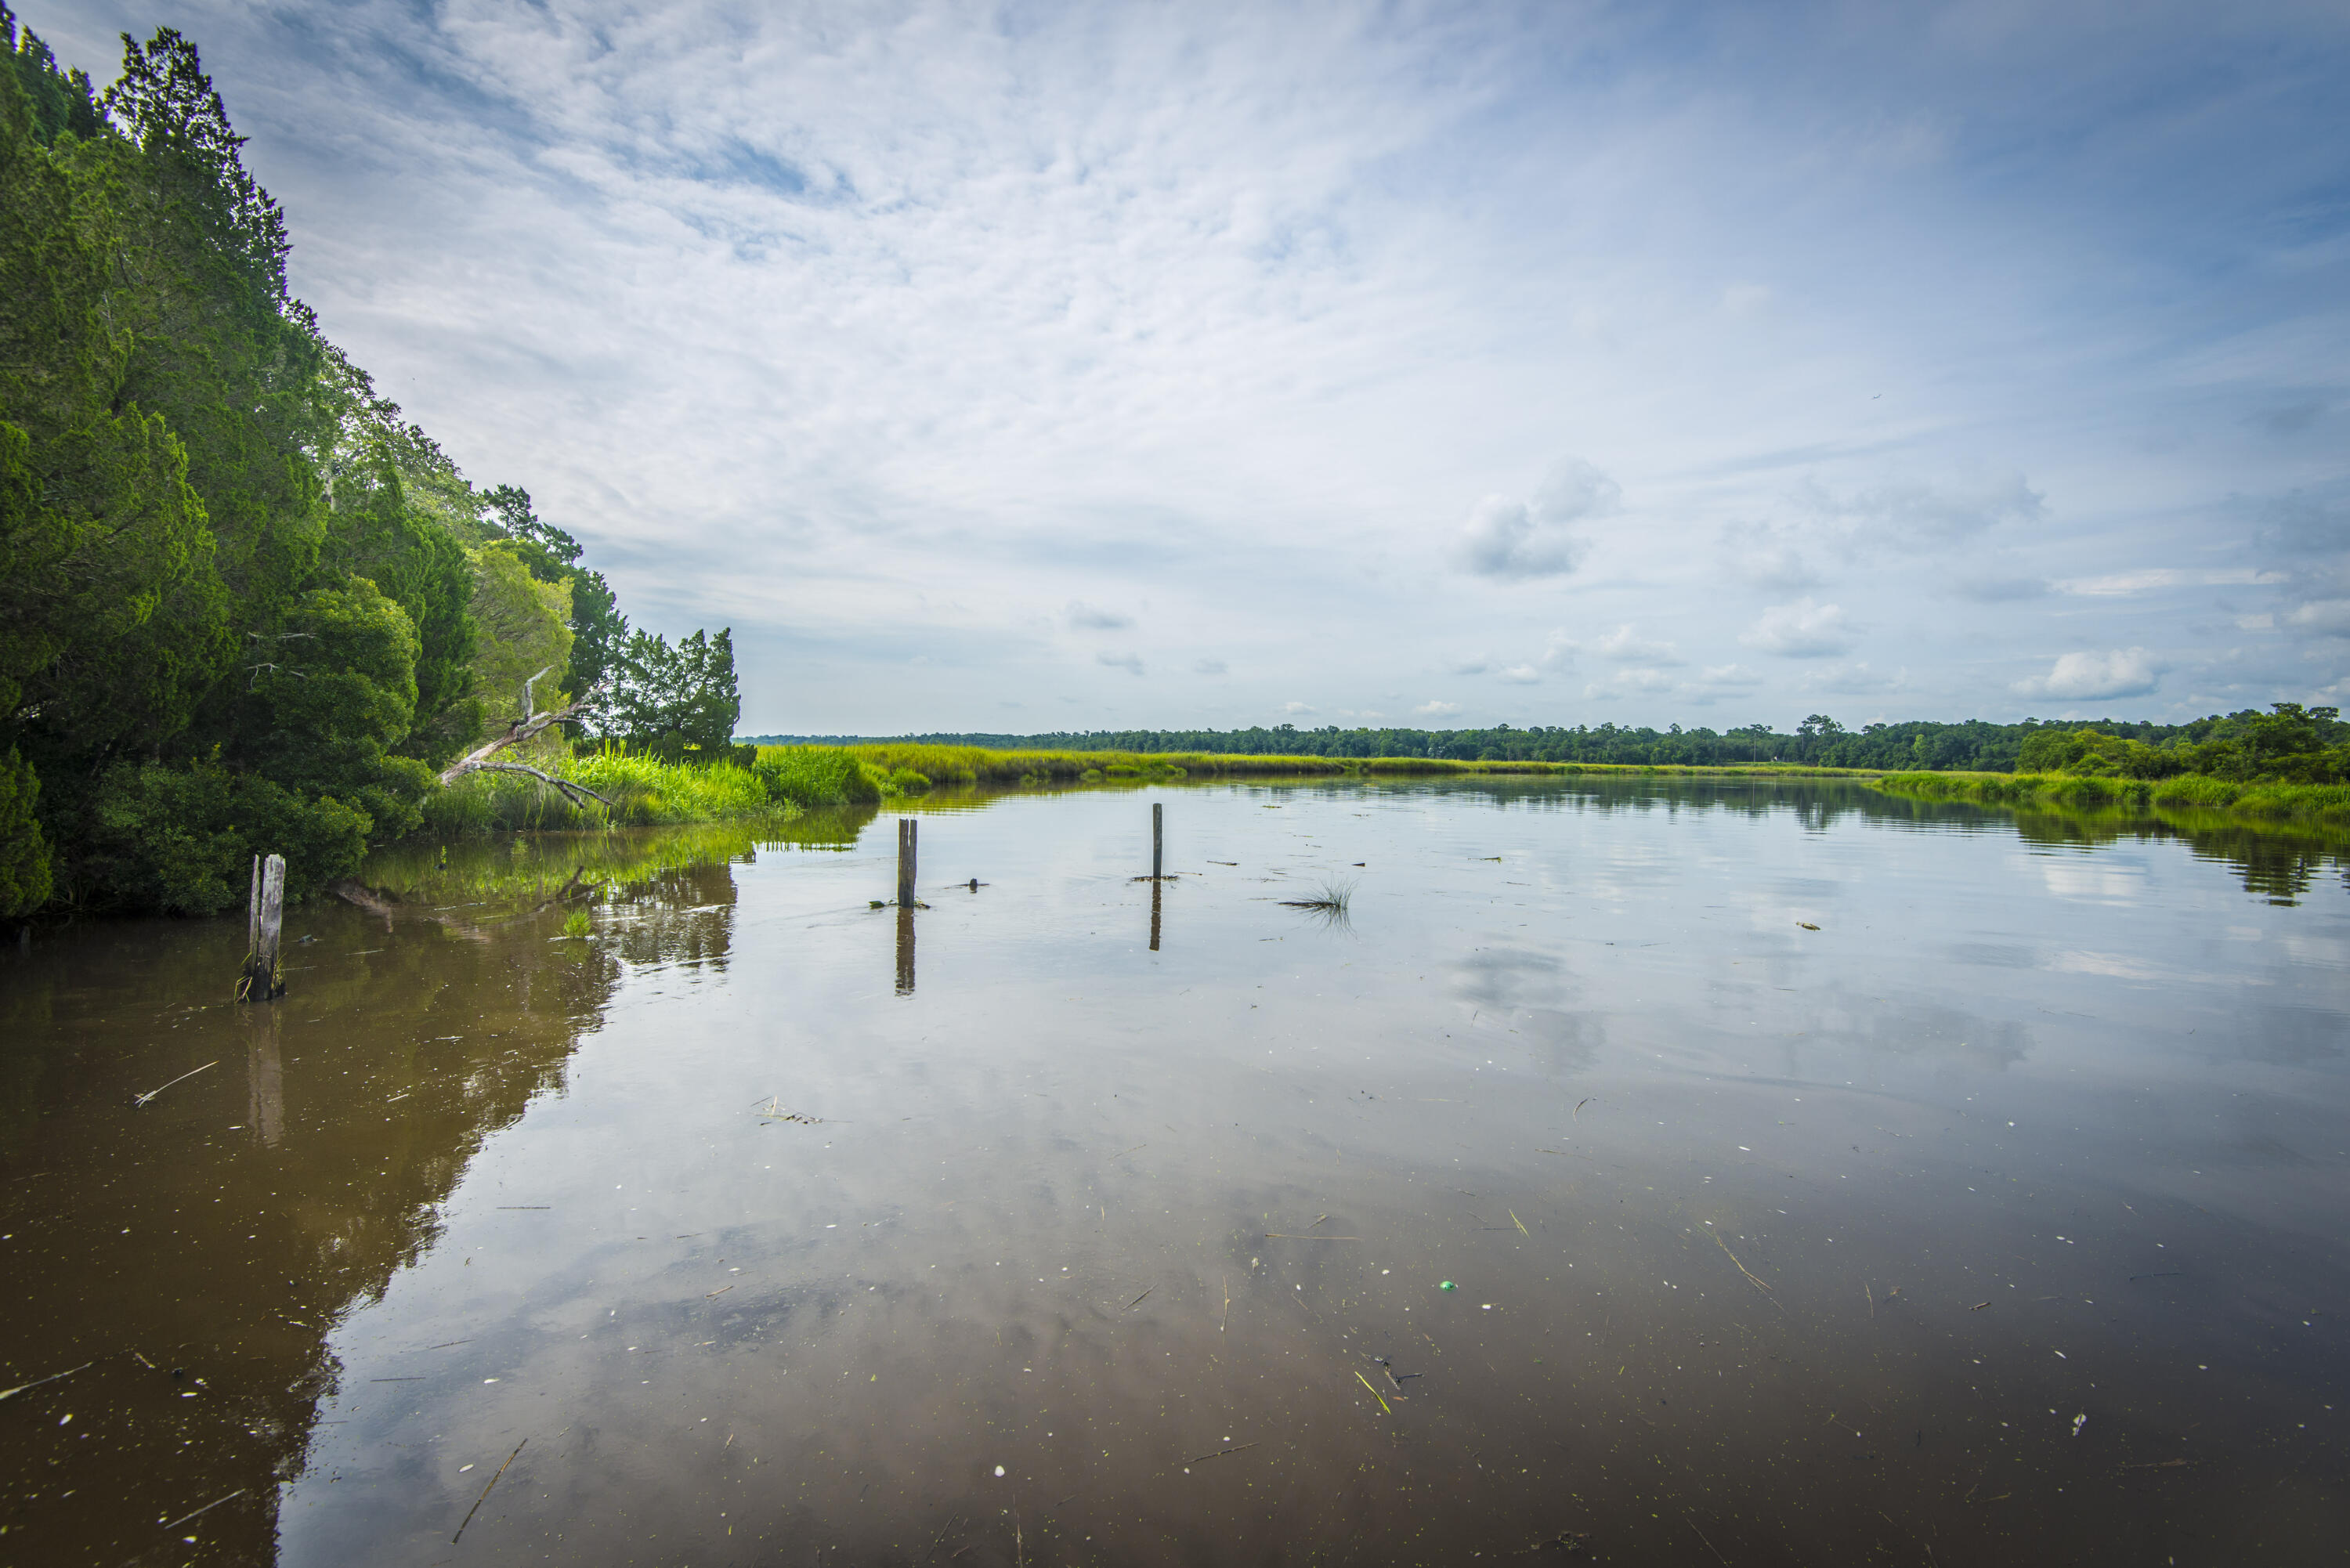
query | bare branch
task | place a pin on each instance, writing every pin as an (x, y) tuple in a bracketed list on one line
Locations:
[(525, 691), (578, 794), (527, 726)]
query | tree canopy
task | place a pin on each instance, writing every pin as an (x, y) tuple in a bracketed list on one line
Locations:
[(245, 604)]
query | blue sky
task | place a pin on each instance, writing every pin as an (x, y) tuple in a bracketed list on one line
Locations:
[(1038, 367)]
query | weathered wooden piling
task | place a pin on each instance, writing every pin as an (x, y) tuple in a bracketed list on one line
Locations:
[(265, 922), (1157, 839), (1155, 888), (905, 863)]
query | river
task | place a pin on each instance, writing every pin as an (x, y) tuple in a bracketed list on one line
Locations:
[(1643, 1171)]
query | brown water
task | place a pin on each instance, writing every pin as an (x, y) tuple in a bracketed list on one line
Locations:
[(1077, 1219)]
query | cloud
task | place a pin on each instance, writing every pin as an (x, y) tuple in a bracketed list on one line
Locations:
[(1766, 556), (2330, 617), (1523, 674), (1208, 667), (1433, 709), (1088, 618), (1514, 540), (1805, 629), (1913, 516), (1857, 680), (1632, 680), (2081, 677), (1626, 647), (1477, 666), (1131, 663), (2000, 590), (1298, 710), (1729, 675)]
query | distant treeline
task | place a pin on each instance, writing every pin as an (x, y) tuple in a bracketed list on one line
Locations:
[(2243, 744)]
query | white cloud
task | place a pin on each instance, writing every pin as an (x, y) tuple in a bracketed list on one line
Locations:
[(1626, 646), (2119, 584), (1805, 629), (1298, 710), (1089, 617), (2329, 616), (1208, 667), (1511, 539), (1913, 515), (1523, 674), (1433, 709), (1131, 663), (2079, 677)]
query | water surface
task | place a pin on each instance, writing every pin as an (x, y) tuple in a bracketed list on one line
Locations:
[(1819, 1178)]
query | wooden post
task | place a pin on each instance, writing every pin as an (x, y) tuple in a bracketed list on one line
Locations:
[(260, 981), (905, 862), (1155, 888), (253, 913), (1157, 839)]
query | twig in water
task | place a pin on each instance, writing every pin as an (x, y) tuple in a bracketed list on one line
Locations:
[(52, 1378), (206, 1509), (1519, 1223), (485, 1494), (1317, 1221), (1138, 1300), (719, 1292), (1375, 1393), (1227, 1313), (1218, 1454), (941, 1539), (1578, 1106), (1710, 1546), (1864, 1291), (1758, 1284), (182, 1078)]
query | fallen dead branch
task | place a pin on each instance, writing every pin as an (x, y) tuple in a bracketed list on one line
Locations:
[(528, 725), (493, 1480), (52, 1378), (182, 1078)]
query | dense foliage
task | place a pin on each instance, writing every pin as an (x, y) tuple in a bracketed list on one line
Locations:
[(244, 606), (2292, 742)]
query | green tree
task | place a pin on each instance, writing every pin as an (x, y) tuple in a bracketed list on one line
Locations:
[(676, 700)]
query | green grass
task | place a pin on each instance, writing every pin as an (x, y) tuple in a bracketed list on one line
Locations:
[(977, 765), (645, 792), (2317, 805)]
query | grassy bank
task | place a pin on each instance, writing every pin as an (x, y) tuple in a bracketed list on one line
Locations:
[(941, 764), (647, 792), (2321, 805)]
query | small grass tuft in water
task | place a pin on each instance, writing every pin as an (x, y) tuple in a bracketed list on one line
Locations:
[(1336, 899)]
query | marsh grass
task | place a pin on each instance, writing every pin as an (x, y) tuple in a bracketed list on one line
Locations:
[(647, 792), (2324, 807), (978, 765)]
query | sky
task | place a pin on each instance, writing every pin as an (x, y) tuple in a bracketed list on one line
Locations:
[(1025, 367)]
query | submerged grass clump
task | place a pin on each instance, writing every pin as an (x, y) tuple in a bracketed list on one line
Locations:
[(1335, 898)]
